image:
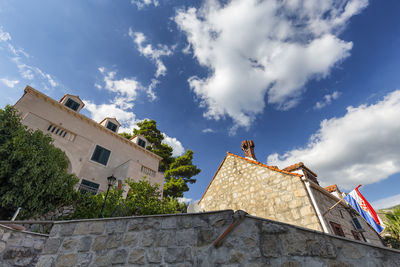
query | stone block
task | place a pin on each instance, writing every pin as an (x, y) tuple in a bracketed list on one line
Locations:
[(135, 224), (119, 256), (67, 229), (99, 243), (270, 245), (55, 230), (169, 223), (85, 243), (82, 228), (66, 260), (45, 261), (205, 237), (137, 256), (165, 238), (151, 223), (116, 226), (69, 244), (2, 246), (131, 239), (115, 240), (186, 237), (272, 228), (38, 244), (52, 245), (154, 255), (147, 238), (103, 259), (174, 255), (97, 228), (84, 259)]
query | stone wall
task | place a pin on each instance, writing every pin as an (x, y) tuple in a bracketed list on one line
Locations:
[(340, 215), (19, 248), (243, 185), (188, 240)]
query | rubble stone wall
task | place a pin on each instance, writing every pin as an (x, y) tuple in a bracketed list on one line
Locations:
[(188, 240), (19, 248), (243, 185)]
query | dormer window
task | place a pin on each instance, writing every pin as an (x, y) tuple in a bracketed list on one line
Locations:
[(112, 126), (72, 104), (141, 143)]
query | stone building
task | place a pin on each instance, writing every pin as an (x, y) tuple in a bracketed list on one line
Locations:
[(291, 195), (95, 150)]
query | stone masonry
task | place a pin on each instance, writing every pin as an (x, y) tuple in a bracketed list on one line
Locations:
[(188, 240), (240, 184), (19, 248)]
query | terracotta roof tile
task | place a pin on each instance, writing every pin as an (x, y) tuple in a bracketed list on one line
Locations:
[(331, 188)]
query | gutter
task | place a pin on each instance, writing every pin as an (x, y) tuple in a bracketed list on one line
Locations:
[(320, 217)]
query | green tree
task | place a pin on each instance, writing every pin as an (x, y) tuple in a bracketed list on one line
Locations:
[(392, 223), (143, 198), (33, 173), (179, 174), (179, 171), (126, 135)]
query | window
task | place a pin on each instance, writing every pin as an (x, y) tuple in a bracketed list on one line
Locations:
[(356, 235), (356, 223), (88, 187), (337, 229), (141, 143), (112, 126), (72, 104), (101, 155)]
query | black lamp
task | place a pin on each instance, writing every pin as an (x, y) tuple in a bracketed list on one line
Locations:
[(111, 181)]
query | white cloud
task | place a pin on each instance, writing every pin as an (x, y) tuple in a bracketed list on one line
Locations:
[(4, 36), (143, 3), (256, 48), (208, 130), (148, 51), (9, 83), (362, 147), (176, 145), (327, 100), (387, 202), (185, 200), (123, 115)]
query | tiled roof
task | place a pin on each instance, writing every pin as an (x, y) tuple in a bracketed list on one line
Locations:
[(331, 188), (266, 166), (298, 166)]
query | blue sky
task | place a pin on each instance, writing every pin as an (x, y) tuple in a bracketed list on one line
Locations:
[(306, 81)]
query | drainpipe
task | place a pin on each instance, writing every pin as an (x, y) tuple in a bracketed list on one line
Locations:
[(320, 217)]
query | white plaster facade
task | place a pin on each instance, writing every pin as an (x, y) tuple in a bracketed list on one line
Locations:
[(78, 136)]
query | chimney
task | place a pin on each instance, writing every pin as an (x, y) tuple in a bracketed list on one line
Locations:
[(248, 148)]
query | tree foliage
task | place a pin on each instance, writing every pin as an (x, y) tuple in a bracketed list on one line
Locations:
[(392, 223), (179, 171), (33, 173), (143, 198)]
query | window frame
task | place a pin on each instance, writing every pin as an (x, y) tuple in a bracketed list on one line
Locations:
[(113, 128), (72, 105), (337, 229), (141, 140), (97, 159), (86, 187)]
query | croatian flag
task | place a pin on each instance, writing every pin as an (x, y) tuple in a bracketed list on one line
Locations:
[(360, 204)]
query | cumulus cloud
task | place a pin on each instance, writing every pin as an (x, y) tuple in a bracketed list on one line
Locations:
[(176, 145), (150, 52), (387, 202), (362, 147), (126, 117), (327, 100), (257, 48), (143, 3), (9, 83)]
